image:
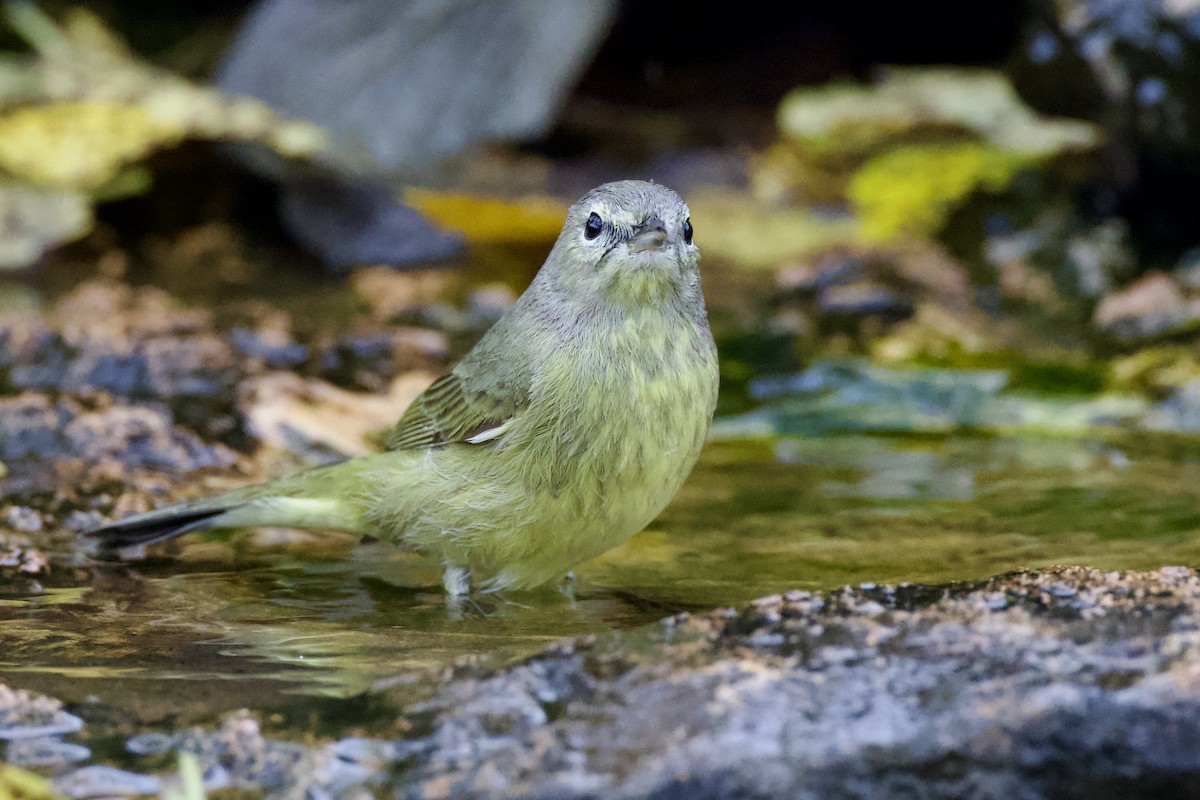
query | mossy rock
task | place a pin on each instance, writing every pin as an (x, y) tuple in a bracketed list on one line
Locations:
[(941, 103), (80, 115), (912, 190), (940, 133)]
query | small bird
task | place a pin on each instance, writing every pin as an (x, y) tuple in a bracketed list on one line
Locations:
[(562, 433)]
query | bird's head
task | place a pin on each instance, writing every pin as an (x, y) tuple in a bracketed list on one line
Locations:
[(629, 242)]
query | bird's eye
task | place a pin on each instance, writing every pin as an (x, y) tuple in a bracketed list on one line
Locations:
[(687, 230), (593, 227)]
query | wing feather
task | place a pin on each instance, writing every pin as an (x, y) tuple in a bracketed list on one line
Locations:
[(459, 407)]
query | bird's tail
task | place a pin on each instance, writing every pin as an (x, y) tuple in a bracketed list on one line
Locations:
[(313, 499)]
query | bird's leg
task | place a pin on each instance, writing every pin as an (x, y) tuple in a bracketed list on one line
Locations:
[(456, 581), (567, 586)]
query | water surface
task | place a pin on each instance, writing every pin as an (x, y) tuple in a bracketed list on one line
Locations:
[(221, 625)]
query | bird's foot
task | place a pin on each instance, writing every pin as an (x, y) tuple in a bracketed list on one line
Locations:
[(461, 606)]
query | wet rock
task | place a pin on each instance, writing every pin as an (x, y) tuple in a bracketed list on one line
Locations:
[(1077, 682), (45, 752), (866, 293), (238, 756), (22, 562), (319, 422), (31, 354), (129, 343), (371, 359), (102, 781), (32, 427), (1059, 258), (29, 716), (1152, 306), (132, 344), (199, 366), (140, 437), (273, 348), (246, 757), (151, 744), (1060, 682), (23, 518), (116, 383)]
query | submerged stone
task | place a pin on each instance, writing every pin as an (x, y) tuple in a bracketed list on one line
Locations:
[(28, 716), (45, 752), (844, 395), (101, 781)]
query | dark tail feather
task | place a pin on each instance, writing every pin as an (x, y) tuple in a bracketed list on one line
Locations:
[(153, 527)]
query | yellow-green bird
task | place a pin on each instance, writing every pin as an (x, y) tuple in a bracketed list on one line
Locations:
[(566, 429)]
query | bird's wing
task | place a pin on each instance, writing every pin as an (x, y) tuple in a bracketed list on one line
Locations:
[(464, 406)]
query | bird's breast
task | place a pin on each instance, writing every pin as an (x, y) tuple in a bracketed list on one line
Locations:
[(618, 416)]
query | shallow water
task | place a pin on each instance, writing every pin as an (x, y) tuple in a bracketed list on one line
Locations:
[(306, 634), (170, 641)]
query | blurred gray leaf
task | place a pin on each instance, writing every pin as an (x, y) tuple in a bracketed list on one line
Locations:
[(417, 81)]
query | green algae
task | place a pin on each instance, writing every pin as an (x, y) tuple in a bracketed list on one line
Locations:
[(912, 190), (911, 149)]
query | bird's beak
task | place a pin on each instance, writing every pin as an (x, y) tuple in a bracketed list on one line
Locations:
[(650, 235)]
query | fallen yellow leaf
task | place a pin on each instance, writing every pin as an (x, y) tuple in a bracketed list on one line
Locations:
[(491, 220), (17, 784)]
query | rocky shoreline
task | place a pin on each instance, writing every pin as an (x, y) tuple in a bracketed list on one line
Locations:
[(1067, 682)]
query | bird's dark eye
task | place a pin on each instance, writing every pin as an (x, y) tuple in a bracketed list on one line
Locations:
[(593, 227), (687, 230)]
